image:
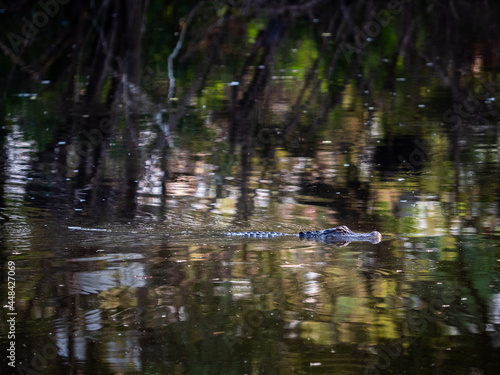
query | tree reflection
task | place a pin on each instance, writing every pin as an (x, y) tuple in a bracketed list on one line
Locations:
[(297, 72), (301, 114)]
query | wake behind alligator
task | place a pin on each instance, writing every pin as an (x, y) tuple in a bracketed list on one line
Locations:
[(341, 235)]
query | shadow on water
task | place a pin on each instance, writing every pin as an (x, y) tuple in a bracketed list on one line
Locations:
[(135, 134)]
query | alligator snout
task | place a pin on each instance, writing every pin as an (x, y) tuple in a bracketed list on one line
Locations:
[(375, 236)]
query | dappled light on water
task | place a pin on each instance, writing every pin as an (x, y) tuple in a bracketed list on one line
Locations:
[(125, 161)]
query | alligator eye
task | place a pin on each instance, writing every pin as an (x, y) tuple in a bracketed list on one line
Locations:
[(340, 230)]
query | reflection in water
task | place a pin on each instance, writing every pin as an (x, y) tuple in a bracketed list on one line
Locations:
[(283, 118), (189, 303), (19, 154), (88, 282)]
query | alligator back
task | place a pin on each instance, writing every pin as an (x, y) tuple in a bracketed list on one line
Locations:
[(257, 234)]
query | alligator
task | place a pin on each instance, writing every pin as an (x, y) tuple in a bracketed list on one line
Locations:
[(340, 236)]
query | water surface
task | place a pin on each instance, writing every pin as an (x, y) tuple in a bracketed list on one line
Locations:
[(117, 184)]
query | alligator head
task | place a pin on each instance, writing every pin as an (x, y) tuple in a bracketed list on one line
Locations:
[(341, 235)]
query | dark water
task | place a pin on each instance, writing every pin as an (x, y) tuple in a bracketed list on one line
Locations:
[(166, 292), (113, 213)]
